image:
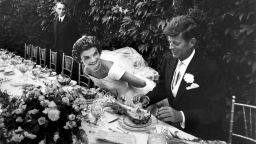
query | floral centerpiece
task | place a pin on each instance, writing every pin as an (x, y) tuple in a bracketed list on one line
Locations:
[(48, 115)]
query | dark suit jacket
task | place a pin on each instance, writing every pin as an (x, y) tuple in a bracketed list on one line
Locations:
[(203, 107), (65, 35)]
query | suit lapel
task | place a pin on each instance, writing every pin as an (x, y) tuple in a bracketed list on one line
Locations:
[(171, 65), (55, 24)]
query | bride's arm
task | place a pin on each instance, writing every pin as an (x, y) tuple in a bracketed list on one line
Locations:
[(133, 80), (116, 72)]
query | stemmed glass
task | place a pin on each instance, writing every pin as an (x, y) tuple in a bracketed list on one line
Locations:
[(97, 112), (23, 69), (4, 57)]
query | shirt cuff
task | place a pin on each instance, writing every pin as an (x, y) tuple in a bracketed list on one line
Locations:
[(148, 100), (182, 124)]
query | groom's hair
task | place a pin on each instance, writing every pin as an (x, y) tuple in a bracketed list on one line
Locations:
[(183, 24), (84, 43)]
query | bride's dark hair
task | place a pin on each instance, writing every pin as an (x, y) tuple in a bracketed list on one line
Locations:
[(84, 43)]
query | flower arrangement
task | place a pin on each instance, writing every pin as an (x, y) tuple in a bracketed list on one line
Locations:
[(48, 115)]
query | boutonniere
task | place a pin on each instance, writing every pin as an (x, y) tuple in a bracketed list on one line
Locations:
[(189, 79)]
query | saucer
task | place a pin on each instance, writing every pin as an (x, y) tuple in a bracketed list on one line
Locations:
[(127, 124)]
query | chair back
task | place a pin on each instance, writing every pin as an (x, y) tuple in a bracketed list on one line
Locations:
[(27, 52), (34, 52), (83, 79), (53, 60), (42, 56), (245, 127), (67, 64)]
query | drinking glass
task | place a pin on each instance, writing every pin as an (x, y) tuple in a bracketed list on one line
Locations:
[(97, 112), (23, 69), (4, 57)]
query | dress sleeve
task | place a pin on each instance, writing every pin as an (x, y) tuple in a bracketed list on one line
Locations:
[(116, 72)]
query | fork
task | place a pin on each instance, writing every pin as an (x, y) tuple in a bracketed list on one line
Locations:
[(122, 130)]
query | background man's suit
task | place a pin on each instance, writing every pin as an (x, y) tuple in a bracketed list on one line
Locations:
[(65, 35), (203, 107)]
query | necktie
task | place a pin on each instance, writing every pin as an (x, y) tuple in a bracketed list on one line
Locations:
[(177, 75)]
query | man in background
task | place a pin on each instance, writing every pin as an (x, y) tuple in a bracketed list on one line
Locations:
[(65, 33)]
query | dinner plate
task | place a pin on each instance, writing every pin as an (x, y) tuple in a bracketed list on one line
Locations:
[(127, 124)]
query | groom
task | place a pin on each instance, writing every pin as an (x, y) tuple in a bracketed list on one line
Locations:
[(192, 84)]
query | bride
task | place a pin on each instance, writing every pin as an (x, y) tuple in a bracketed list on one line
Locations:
[(122, 72)]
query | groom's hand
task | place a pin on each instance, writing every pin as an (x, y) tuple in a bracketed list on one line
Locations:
[(144, 100), (168, 114)]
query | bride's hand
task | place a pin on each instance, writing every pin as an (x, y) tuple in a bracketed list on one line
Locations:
[(142, 99)]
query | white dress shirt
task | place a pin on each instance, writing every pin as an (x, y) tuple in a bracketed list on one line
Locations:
[(181, 67), (61, 18)]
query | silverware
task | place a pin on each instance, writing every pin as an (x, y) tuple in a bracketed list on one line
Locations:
[(122, 130), (114, 120)]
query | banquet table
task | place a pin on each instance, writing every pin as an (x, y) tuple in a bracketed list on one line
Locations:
[(12, 84)]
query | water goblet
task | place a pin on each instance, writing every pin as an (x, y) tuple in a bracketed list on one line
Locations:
[(4, 57), (23, 69), (97, 112)]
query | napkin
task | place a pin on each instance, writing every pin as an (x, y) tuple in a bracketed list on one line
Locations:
[(115, 137)]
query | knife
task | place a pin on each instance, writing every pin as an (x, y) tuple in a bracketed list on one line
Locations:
[(114, 120)]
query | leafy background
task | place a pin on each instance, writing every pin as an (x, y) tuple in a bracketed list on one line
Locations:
[(227, 28)]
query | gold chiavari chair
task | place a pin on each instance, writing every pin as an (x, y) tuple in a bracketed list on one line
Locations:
[(67, 64), (53, 60), (27, 52), (245, 132), (83, 80), (42, 56), (34, 52)]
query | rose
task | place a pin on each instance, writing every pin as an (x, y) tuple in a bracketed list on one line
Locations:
[(73, 124), (68, 125), (189, 78), (44, 103), (56, 136), (52, 104), (17, 138), (23, 107), (18, 111), (29, 135), (33, 111), (53, 114), (71, 117), (65, 100), (19, 119), (45, 111), (75, 107), (41, 97), (1, 122), (18, 130), (41, 120)]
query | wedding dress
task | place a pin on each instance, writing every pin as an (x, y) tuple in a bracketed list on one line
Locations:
[(126, 59)]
